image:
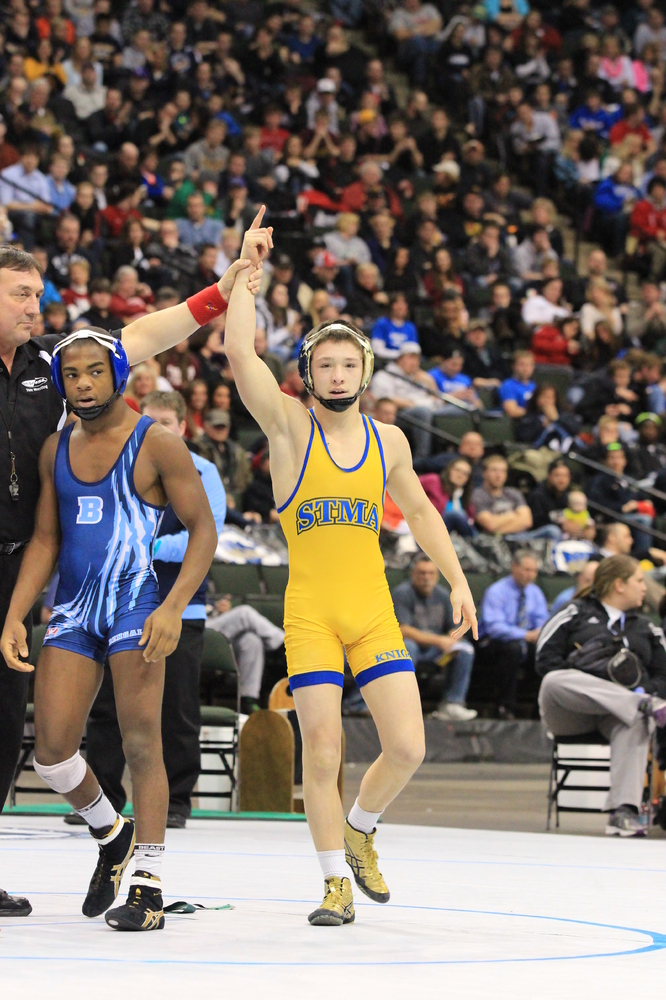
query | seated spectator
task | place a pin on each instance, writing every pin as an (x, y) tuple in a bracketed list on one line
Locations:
[(449, 379), (412, 390), (423, 609), (546, 423), (229, 458), (600, 305), (556, 343), (56, 320), (647, 455), (583, 579), (414, 26), (513, 613), (76, 296), (259, 494), (281, 323), (130, 298), (366, 300), (531, 254), (546, 307), (198, 228), (441, 278), (572, 701), (515, 392), (179, 365), (483, 362), (485, 262), (647, 225), (450, 494), (612, 395), (24, 194), (251, 637), (504, 319), (501, 510), (382, 243), (535, 138), (292, 384), (591, 116), (646, 317), (61, 192), (390, 332), (196, 399), (550, 499), (345, 243), (89, 95), (611, 491), (614, 200), (140, 384), (208, 155)]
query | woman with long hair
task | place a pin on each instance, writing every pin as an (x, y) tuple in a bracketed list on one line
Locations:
[(196, 398), (129, 251), (547, 422), (441, 278), (142, 381), (281, 323), (450, 493)]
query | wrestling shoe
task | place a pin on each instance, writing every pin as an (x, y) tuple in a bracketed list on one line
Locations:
[(654, 708), (361, 857), (144, 909), (14, 906), (114, 857), (337, 906), (623, 822)]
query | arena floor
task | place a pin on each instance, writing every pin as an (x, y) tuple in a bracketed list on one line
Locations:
[(473, 913)]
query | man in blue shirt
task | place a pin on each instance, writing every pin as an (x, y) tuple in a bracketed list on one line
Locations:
[(512, 613), (515, 392), (592, 117), (390, 332), (197, 228), (181, 709), (449, 377)]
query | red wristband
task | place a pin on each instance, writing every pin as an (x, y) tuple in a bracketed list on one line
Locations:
[(206, 305)]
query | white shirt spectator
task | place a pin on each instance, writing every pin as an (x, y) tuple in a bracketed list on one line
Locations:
[(352, 250), (590, 316), (538, 311), (402, 19), (543, 127), (389, 383), (85, 101)]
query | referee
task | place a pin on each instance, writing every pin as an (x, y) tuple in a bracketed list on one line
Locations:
[(31, 410)]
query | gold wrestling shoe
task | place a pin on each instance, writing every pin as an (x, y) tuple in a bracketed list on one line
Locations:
[(361, 856), (337, 905)]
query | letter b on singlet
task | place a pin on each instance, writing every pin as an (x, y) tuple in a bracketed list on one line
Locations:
[(90, 510)]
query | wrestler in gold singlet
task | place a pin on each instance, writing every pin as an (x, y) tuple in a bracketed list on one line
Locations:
[(337, 593)]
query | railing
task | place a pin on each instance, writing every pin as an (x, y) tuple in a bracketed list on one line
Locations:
[(598, 467)]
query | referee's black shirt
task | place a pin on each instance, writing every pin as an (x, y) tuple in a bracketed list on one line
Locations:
[(38, 410)]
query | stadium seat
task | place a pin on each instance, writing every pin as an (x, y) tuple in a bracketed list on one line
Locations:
[(457, 426), (496, 430), (218, 660), (478, 584), (396, 576), (232, 578), (554, 585), (247, 436), (275, 578), (271, 606), (38, 633), (222, 744)]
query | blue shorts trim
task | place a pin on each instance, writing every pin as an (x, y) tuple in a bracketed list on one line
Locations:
[(316, 677), (381, 669)]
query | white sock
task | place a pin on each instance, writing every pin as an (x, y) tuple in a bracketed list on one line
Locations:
[(148, 858), (333, 863), (361, 820), (99, 813)]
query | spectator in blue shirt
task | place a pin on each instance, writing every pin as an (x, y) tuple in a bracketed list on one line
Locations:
[(592, 117), (583, 579), (613, 199), (197, 228), (390, 332), (513, 612), (515, 392), (449, 378)]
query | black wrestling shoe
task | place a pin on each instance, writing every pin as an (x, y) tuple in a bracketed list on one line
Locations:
[(114, 857), (14, 906), (144, 909), (248, 705)]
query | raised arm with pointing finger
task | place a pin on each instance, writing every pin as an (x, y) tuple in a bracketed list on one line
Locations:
[(157, 332)]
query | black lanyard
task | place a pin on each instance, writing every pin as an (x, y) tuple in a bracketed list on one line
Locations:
[(8, 420)]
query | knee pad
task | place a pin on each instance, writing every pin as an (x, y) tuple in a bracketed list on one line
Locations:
[(65, 776)]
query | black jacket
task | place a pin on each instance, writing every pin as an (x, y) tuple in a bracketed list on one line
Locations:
[(586, 618)]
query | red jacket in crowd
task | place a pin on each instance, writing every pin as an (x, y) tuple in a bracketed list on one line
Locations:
[(549, 346), (647, 221)]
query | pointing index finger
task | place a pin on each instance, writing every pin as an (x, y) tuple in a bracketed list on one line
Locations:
[(256, 222)]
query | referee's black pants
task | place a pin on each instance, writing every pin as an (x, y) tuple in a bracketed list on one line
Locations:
[(13, 685), (181, 722)]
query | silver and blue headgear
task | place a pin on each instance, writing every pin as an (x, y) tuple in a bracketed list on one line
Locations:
[(120, 368), (311, 340)]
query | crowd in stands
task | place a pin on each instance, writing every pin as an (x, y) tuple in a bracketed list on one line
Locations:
[(426, 167)]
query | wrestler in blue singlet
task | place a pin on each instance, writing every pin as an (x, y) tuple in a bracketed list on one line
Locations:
[(107, 584)]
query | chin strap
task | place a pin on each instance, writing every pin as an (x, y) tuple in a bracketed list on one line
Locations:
[(337, 405), (93, 412)]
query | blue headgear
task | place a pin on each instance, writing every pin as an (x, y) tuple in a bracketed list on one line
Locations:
[(311, 340), (120, 368)]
